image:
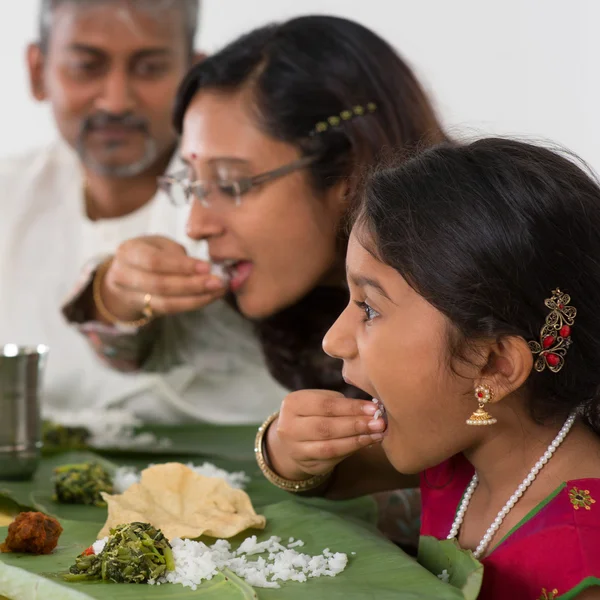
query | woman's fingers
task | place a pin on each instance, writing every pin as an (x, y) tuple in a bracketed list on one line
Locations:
[(131, 279), (170, 305), (158, 267), (158, 255)]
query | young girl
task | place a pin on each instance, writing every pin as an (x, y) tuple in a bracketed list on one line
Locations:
[(473, 320)]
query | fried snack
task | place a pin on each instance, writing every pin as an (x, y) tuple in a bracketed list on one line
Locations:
[(182, 503), (81, 484), (33, 533)]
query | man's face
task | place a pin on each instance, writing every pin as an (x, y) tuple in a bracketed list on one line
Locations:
[(111, 72)]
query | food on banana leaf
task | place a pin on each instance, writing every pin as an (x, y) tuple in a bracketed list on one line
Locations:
[(183, 504), (59, 437), (260, 564), (81, 484), (133, 553), (109, 428), (126, 476), (32, 533)]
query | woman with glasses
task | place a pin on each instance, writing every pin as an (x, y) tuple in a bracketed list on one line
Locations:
[(276, 130)]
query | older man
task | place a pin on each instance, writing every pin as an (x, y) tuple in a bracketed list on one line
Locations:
[(110, 70)]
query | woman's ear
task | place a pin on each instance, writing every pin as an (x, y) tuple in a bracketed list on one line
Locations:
[(337, 198), (509, 364)]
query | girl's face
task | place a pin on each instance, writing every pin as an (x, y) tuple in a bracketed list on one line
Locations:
[(394, 345), (279, 238)]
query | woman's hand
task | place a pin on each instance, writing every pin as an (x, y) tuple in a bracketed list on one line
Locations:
[(160, 267), (318, 429)]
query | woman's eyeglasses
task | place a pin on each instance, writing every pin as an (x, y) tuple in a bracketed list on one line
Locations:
[(227, 185)]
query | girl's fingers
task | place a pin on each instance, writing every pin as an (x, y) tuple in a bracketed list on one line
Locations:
[(334, 450), (323, 404), (308, 429)]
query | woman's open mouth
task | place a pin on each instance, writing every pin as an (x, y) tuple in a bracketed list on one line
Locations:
[(235, 272)]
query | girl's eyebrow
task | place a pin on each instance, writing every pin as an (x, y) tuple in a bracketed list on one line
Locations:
[(364, 281)]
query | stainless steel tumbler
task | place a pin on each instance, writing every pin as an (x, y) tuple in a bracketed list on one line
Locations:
[(21, 370)]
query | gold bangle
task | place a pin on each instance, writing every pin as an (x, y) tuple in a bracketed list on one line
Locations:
[(97, 284), (289, 485)]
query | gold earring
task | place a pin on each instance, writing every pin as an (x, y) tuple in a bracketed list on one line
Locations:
[(483, 395)]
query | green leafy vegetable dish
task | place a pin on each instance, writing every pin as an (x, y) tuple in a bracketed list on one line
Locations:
[(82, 484), (133, 553), (59, 437)]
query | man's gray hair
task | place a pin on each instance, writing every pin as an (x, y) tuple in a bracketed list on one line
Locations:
[(190, 8)]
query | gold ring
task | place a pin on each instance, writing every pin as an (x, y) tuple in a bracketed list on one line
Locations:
[(147, 310)]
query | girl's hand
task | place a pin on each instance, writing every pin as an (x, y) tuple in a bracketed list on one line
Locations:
[(318, 429)]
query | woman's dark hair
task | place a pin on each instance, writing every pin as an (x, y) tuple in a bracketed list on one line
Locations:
[(297, 74), (485, 232)]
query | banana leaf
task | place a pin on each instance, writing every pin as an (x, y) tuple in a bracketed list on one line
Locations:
[(234, 442), (8, 510), (464, 570), (229, 447), (377, 570), (37, 494)]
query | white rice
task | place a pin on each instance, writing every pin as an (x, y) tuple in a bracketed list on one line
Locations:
[(444, 576), (196, 562), (99, 545), (126, 476), (220, 271), (380, 412), (111, 428)]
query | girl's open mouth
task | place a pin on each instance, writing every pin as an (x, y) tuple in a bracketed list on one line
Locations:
[(381, 412)]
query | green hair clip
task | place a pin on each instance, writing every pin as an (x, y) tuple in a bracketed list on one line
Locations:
[(346, 115)]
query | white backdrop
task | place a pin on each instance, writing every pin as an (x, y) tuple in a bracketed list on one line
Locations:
[(520, 67)]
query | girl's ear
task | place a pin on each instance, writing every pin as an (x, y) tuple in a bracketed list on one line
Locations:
[(508, 366)]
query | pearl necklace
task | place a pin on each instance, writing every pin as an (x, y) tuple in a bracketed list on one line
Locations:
[(493, 528)]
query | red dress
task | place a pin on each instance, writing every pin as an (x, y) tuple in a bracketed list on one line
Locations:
[(554, 552)]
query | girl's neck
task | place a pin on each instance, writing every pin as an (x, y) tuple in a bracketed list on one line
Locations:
[(505, 458)]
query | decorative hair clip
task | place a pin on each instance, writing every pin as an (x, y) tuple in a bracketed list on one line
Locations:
[(555, 335), (346, 115)]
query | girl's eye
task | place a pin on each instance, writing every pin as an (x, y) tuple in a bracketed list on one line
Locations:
[(370, 312)]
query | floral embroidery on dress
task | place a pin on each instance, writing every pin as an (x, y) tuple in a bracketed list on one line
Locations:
[(581, 499), (546, 595)]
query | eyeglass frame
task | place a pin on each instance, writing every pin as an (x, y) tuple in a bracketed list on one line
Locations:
[(245, 184)]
